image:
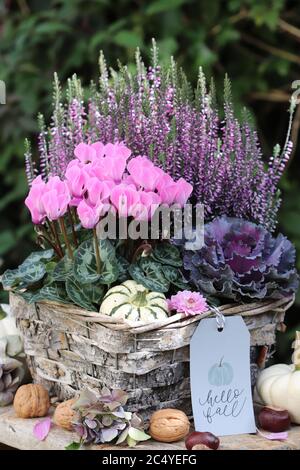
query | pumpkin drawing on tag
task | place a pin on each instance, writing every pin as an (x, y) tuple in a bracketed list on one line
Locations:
[(220, 374)]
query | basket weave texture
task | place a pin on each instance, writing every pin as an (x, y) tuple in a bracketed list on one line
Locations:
[(69, 348)]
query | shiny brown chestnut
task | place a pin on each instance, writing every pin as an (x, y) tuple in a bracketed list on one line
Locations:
[(205, 439), (274, 419)]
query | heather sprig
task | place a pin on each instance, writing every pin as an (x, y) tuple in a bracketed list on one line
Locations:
[(156, 112)]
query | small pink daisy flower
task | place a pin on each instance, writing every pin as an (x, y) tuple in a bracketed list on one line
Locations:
[(190, 303)]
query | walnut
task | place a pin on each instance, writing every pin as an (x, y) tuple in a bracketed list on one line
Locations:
[(31, 401), (169, 425), (64, 414)]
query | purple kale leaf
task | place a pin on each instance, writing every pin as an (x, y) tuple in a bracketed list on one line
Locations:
[(242, 261)]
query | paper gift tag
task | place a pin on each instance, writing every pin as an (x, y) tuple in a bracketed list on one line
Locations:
[(220, 377)]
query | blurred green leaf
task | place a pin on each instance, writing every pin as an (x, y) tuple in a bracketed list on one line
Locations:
[(160, 6), (127, 39), (7, 241)]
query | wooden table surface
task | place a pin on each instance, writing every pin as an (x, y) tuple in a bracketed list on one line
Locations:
[(17, 433)]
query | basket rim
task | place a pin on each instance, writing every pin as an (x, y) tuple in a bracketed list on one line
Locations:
[(178, 320)]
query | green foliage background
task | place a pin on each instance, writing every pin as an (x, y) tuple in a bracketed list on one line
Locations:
[(256, 42)]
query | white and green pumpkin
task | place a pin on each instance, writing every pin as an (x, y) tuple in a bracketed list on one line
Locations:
[(132, 301), (279, 385)]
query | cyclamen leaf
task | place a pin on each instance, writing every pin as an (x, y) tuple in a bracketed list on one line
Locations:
[(54, 292), (62, 269), (85, 266), (175, 277), (31, 273), (167, 254), (26, 275), (150, 275), (10, 278), (77, 295), (138, 435), (123, 266), (37, 256)]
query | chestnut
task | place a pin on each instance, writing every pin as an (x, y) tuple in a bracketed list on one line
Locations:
[(274, 419), (203, 441)]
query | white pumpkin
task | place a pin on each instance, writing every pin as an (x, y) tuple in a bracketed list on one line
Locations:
[(279, 385), (8, 324), (132, 301)]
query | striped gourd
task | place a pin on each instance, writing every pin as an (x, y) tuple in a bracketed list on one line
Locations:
[(132, 301)]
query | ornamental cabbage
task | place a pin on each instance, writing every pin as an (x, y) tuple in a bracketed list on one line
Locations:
[(242, 261)]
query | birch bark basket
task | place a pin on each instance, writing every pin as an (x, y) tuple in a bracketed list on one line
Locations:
[(69, 348)]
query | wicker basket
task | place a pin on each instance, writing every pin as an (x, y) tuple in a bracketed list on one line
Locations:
[(69, 348)]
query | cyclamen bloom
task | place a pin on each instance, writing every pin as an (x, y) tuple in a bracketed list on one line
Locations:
[(98, 191), (89, 216), (144, 173), (149, 202), (34, 200), (190, 303), (56, 198), (116, 150), (125, 199), (172, 192), (99, 175), (76, 179), (85, 153)]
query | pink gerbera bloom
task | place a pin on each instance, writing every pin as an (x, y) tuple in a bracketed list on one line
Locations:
[(190, 303)]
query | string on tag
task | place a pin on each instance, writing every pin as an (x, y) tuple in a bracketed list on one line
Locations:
[(220, 319)]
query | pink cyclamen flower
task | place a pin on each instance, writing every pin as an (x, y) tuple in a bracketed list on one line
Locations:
[(34, 200), (98, 191), (117, 150), (76, 179), (89, 216), (184, 190), (144, 172), (125, 198), (167, 189), (172, 192), (99, 148), (85, 153), (113, 168), (149, 202), (96, 168), (56, 198), (190, 303)]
